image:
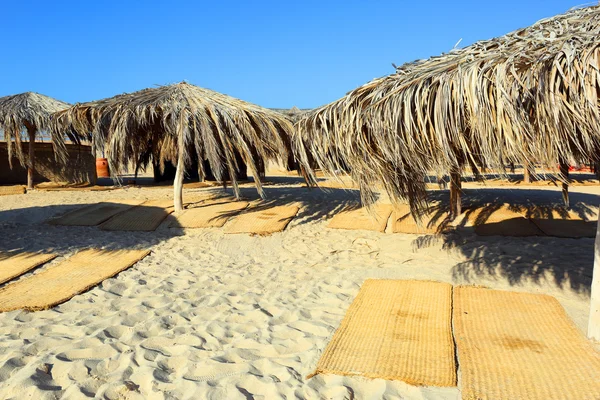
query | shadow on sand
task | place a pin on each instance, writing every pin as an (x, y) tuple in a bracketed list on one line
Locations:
[(517, 259)]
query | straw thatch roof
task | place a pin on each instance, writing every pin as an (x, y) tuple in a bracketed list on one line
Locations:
[(531, 95), (169, 121), (29, 112), (294, 113)]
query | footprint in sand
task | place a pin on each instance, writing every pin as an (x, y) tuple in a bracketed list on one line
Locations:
[(93, 353), (211, 372), (116, 332), (11, 365), (310, 328), (171, 347)]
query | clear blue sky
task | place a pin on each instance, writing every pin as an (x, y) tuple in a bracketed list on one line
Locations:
[(275, 54)]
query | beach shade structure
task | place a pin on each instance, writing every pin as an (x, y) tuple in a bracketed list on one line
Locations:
[(177, 122), (530, 97), (29, 112)]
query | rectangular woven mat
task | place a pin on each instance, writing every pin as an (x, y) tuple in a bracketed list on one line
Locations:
[(375, 219), (263, 221), (61, 282), (208, 216), (398, 330), (521, 346), (14, 264), (77, 189), (501, 221), (7, 190), (566, 228), (561, 222), (145, 217), (94, 214), (432, 223)]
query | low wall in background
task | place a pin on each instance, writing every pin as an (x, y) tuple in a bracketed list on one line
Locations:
[(79, 168)]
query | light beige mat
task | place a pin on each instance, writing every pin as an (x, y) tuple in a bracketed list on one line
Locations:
[(399, 330), (521, 346), (431, 223), (375, 219), (501, 221), (561, 223), (263, 221), (61, 282), (7, 190), (14, 264), (94, 214), (208, 216), (145, 217)]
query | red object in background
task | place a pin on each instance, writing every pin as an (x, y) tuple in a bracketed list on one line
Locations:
[(583, 168), (102, 168)]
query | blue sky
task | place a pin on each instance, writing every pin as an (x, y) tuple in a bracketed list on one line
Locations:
[(275, 54)]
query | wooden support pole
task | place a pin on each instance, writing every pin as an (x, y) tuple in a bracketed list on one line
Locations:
[(594, 321), (527, 172), (564, 174), (178, 182), (31, 163), (455, 195)]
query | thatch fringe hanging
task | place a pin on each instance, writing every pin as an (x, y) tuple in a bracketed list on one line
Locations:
[(530, 96), (170, 121), (30, 113)]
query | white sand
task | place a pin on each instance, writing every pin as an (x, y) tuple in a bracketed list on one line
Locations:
[(214, 316)]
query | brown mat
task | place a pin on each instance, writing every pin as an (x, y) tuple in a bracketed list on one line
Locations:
[(60, 283), (14, 264), (208, 216), (395, 329), (94, 214), (375, 219), (72, 187), (431, 223), (521, 346), (145, 217), (501, 221), (78, 189), (263, 221), (8, 190)]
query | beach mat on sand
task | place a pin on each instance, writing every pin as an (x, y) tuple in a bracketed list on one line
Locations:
[(521, 346), (145, 217), (561, 222), (208, 216), (396, 330), (14, 264), (94, 214), (61, 282), (431, 223), (362, 218), (501, 221), (7, 190), (263, 221)]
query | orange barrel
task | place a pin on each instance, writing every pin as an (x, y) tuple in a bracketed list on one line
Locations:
[(102, 168)]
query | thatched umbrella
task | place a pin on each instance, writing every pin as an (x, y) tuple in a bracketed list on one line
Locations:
[(30, 112), (171, 122), (531, 96)]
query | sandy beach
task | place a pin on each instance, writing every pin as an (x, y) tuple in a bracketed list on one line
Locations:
[(208, 315)]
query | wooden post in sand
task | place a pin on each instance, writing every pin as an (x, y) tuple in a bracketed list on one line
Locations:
[(455, 195), (594, 321), (31, 163), (178, 182), (564, 174), (527, 169)]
